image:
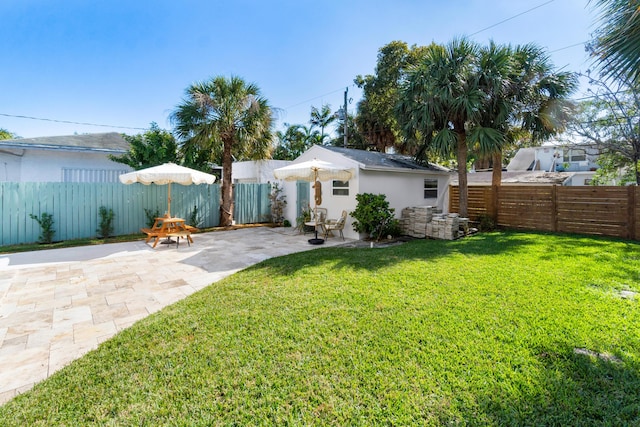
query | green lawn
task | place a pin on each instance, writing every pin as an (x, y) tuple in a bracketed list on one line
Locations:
[(495, 329)]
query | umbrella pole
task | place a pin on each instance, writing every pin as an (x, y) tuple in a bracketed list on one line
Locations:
[(316, 241), (169, 207)]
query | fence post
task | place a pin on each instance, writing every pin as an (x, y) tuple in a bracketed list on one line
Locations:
[(554, 208), (631, 221)]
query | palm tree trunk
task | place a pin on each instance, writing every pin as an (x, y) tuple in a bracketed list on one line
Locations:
[(496, 176), (226, 208), (462, 173), (496, 180)]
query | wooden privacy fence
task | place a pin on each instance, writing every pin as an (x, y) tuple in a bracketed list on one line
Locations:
[(607, 211), (75, 207)]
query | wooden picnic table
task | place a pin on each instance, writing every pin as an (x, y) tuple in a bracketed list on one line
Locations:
[(164, 227)]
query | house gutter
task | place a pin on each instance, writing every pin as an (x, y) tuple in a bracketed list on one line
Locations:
[(63, 148), (409, 171)]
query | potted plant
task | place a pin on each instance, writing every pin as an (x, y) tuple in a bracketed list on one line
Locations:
[(305, 216)]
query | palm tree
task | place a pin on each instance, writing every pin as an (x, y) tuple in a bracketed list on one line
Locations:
[(617, 43), (533, 101), (321, 118), (463, 95), (441, 103), (231, 119)]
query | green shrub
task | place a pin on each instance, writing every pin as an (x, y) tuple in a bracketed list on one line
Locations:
[(46, 226), (151, 216), (105, 229), (486, 222), (373, 215), (193, 217)]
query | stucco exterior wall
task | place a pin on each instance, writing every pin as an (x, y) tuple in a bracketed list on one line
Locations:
[(260, 171), (47, 165)]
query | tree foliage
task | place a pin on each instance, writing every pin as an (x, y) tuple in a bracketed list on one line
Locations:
[(375, 119), (295, 140), (151, 148), (5, 134), (616, 47), (610, 122), (321, 118), (229, 119), (465, 96)]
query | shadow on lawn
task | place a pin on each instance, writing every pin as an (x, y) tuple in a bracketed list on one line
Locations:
[(419, 250), (578, 387)]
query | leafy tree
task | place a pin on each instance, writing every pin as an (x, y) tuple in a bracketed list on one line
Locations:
[(616, 48), (610, 122), (154, 147), (354, 138), (5, 134), (380, 93), (322, 118), (230, 119), (294, 141)]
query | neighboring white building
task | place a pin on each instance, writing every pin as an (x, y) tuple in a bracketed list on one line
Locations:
[(73, 158), (404, 182), (577, 164), (255, 171)]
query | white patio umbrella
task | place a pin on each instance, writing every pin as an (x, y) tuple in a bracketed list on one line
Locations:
[(167, 173), (313, 171)]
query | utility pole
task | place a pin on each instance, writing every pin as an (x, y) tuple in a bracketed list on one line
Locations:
[(346, 90)]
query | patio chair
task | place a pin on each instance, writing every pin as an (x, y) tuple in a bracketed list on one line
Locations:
[(338, 225)]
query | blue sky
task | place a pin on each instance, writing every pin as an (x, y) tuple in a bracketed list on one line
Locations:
[(128, 63)]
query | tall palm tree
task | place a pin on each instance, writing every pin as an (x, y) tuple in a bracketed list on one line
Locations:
[(617, 43), (442, 101), (230, 118), (533, 101), (321, 118)]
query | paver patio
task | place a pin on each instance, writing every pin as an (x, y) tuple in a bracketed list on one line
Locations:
[(56, 305)]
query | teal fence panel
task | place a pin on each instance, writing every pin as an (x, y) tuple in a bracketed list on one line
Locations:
[(75, 207), (251, 203)]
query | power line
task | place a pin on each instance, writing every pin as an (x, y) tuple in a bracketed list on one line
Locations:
[(513, 17), (69, 122), (316, 97)]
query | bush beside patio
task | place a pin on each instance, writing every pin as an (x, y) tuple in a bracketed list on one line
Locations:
[(493, 329)]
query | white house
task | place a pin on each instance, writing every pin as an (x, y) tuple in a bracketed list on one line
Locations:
[(255, 171), (73, 158), (404, 182), (577, 164)]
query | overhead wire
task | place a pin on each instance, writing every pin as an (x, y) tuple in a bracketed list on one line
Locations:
[(70, 122)]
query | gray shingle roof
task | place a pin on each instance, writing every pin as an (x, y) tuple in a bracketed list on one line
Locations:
[(111, 143), (374, 159)]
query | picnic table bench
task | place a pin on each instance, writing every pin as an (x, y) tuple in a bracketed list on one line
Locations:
[(163, 227)]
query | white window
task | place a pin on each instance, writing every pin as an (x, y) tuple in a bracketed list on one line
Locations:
[(340, 188), (575, 155), (430, 188)]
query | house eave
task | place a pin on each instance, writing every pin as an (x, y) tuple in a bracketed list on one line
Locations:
[(405, 170), (62, 148)]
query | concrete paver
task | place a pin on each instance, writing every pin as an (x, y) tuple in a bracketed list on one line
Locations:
[(56, 305)]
